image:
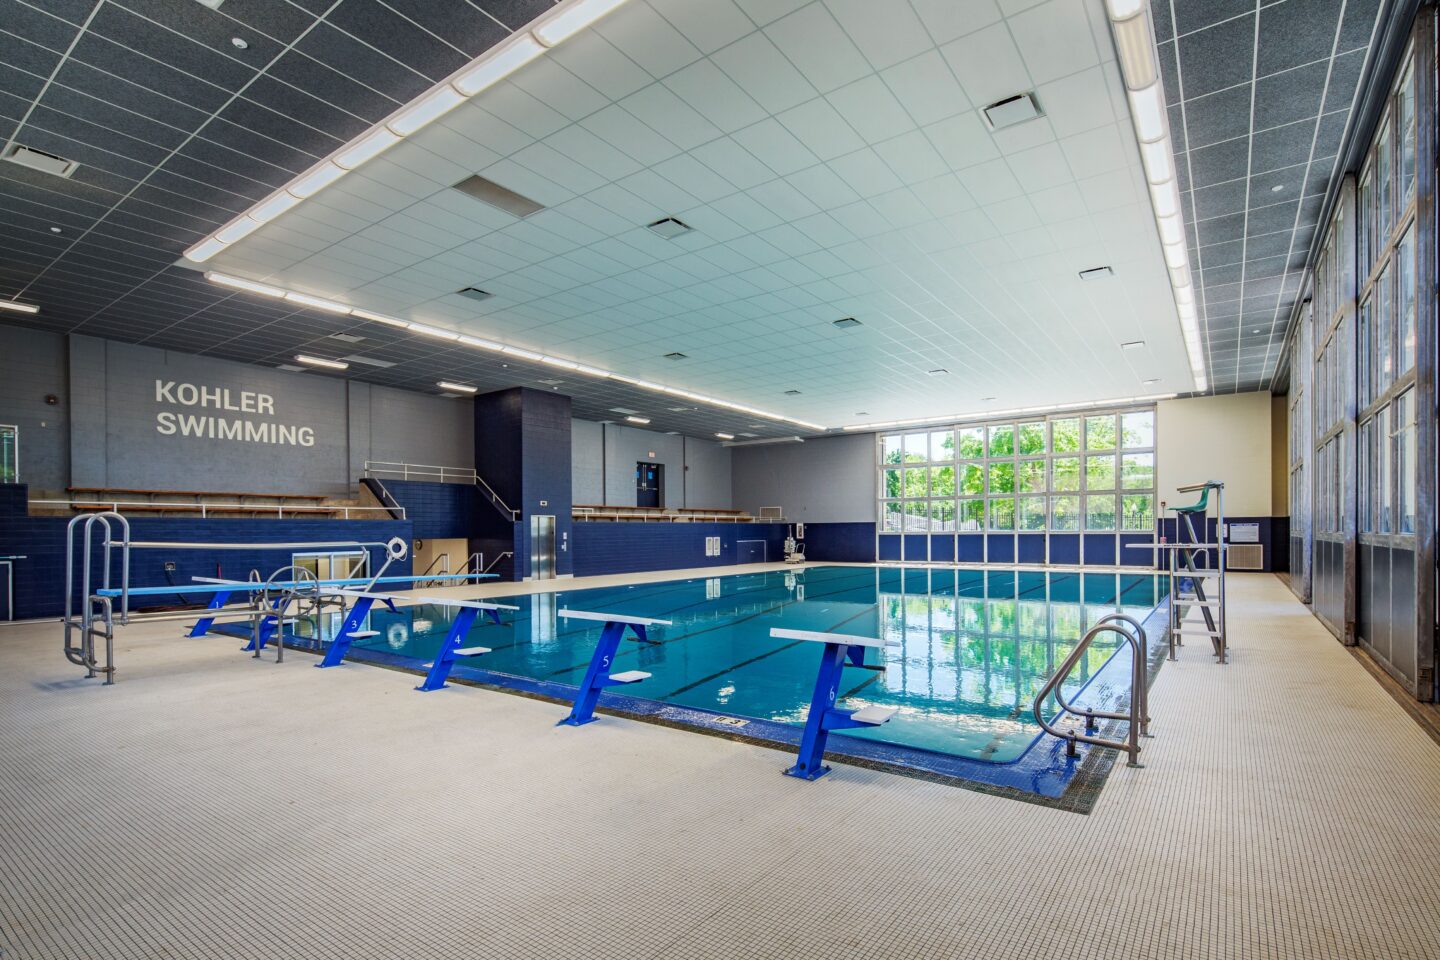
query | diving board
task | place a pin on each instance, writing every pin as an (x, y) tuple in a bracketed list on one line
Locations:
[(824, 716), (598, 675)]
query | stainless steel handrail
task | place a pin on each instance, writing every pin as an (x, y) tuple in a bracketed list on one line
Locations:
[(501, 556), (444, 475), (205, 508), (1137, 716)]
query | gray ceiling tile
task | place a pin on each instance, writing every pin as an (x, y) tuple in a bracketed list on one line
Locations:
[(1220, 162), (1282, 146), (1216, 201), (1296, 32), (1290, 96), (1217, 57), (1219, 116), (1191, 15)]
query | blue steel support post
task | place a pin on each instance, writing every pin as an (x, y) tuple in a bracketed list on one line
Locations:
[(597, 677), (445, 657), (341, 644), (202, 626), (824, 716)]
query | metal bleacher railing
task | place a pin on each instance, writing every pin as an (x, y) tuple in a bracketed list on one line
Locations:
[(439, 474), (205, 509)]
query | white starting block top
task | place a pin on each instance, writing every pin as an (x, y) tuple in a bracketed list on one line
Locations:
[(437, 601), (471, 651), (874, 714), (629, 676), (781, 633), (610, 618)]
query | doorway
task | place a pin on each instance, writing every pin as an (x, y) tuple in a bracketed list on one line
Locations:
[(333, 566), (649, 478), (542, 547)]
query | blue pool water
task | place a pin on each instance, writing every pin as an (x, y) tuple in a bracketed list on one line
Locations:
[(972, 647)]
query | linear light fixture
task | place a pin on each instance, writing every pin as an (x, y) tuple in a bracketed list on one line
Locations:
[(479, 343), (18, 307), (726, 436), (559, 24), (456, 387), (1135, 46), (992, 414), (322, 362), (638, 419)]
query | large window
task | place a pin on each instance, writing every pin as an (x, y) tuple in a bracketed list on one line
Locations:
[(1091, 471)]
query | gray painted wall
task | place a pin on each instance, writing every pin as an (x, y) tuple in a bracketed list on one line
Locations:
[(32, 366), (115, 428), (604, 457), (829, 480)]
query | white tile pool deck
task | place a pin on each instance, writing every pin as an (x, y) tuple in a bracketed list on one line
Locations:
[(211, 805)]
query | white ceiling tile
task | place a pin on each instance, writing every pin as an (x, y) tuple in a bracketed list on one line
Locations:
[(747, 212), (861, 219), (823, 187), (816, 44), (708, 24), (557, 168), (871, 109), (1013, 215), (1054, 39), (621, 130), (670, 116), (821, 128), (1097, 151), (926, 88), (1058, 203), (1023, 136), (527, 183), (484, 128), (775, 147), (948, 19), (707, 89), (581, 146), (763, 11), (1108, 191), (656, 190), (865, 172), (787, 202), (912, 158), (1077, 103), (1040, 167), (990, 182), (696, 179), (645, 37), (901, 207), (887, 31), (522, 111), (987, 65), (963, 140), (550, 83), (733, 162), (756, 65), (943, 195), (599, 63), (791, 241)]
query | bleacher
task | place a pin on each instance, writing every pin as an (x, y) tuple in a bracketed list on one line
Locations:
[(206, 503), (586, 511)]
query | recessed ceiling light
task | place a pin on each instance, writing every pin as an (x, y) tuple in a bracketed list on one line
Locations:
[(1011, 110), (18, 307), (1151, 381), (456, 387), (1133, 345), (725, 436), (863, 413), (1277, 188), (488, 191), (669, 228), (937, 372), (638, 419), (239, 44), (988, 399), (676, 355), (1256, 330), (749, 434), (624, 410), (321, 362), (54, 229), (1096, 273), (475, 293), (792, 393), (845, 323)]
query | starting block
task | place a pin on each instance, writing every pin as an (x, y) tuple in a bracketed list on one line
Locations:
[(444, 661), (598, 675), (824, 716)]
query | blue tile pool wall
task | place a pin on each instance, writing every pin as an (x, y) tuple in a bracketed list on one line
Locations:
[(40, 577), (601, 547)]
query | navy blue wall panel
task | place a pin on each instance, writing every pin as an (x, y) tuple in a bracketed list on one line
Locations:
[(599, 548), (1064, 548), (1099, 549), (1000, 547), (917, 547), (942, 548), (1030, 548), (889, 546), (840, 542), (970, 547), (40, 578), (436, 510)]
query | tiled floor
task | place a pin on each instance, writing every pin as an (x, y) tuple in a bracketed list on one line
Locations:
[(211, 805)]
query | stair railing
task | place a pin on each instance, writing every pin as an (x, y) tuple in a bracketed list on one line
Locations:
[(1136, 716)]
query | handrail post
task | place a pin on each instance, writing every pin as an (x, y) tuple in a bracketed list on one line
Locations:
[(1138, 706)]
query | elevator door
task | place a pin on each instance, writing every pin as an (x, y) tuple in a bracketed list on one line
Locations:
[(542, 548)]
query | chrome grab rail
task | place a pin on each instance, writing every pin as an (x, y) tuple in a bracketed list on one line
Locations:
[(82, 654), (1137, 716), (501, 556)]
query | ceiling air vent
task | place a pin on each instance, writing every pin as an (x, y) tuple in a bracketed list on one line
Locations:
[(792, 393), (669, 228), (677, 355), (845, 323), (1096, 273), (475, 293), (1010, 111), (346, 337), (40, 160), (492, 193)]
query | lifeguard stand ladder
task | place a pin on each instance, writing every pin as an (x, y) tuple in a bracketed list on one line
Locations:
[(1188, 578)]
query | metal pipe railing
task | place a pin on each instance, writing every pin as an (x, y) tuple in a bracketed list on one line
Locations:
[(424, 471), (1137, 715), (279, 509)]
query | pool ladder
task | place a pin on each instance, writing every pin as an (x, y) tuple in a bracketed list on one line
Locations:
[(1138, 714)]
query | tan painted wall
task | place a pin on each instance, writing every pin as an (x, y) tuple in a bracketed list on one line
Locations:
[(428, 550), (1280, 456), (1224, 438)]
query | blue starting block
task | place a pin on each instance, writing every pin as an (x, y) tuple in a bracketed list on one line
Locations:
[(350, 629), (824, 716), (598, 676), (445, 660)]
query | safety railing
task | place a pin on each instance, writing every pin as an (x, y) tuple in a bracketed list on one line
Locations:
[(487, 567), (440, 474), (278, 510), (1137, 716)]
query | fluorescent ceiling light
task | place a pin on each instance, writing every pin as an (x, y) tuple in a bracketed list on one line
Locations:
[(319, 303), (321, 362), (267, 210), (1133, 345), (368, 147), (568, 21), (380, 318), (726, 436), (1170, 231), (522, 353), (237, 230), (560, 362), (18, 307), (204, 250), (456, 387), (425, 109), (1159, 165), (497, 64), (1147, 108), (316, 180), (638, 419), (1175, 255), (1166, 198), (240, 283), (1132, 43), (1121, 9)]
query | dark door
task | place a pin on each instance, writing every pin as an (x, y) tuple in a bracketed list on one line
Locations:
[(647, 483)]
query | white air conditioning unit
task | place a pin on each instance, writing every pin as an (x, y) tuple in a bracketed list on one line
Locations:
[(40, 160)]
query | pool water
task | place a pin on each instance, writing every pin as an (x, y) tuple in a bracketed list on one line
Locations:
[(972, 647)]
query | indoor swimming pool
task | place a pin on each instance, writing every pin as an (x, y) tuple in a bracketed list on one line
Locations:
[(968, 649)]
